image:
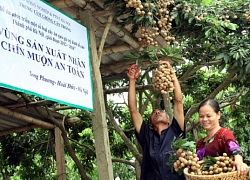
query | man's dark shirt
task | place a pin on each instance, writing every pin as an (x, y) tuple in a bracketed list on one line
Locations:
[(155, 152)]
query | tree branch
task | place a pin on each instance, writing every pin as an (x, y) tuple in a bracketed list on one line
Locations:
[(122, 134), (124, 161), (222, 86), (64, 134)]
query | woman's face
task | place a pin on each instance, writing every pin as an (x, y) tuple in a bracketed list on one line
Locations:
[(208, 118)]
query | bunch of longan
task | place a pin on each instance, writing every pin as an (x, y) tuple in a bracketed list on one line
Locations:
[(247, 16), (208, 166), (161, 20), (222, 164), (187, 159), (147, 37), (163, 79)]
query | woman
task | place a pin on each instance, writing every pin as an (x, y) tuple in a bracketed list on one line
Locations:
[(219, 140)]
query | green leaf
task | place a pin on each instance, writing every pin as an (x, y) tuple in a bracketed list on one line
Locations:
[(132, 55), (183, 143), (248, 68), (190, 20), (208, 161), (207, 33), (226, 58), (198, 2), (232, 26), (186, 16), (207, 2), (220, 56)]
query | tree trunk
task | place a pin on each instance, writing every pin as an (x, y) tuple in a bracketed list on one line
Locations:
[(137, 170), (100, 130)]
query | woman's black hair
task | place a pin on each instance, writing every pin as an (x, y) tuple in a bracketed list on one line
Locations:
[(211, 102)]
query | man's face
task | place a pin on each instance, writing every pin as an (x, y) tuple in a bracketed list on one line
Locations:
[(159, 116)]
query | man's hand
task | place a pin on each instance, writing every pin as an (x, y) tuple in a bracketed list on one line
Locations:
[(165, 62), (134, 71)]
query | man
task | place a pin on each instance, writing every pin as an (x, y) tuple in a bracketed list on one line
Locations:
[(156, 141)]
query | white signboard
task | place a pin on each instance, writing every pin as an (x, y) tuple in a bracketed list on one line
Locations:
[(45, 53)]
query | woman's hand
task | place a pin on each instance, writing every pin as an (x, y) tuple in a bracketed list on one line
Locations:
[(240, 166)]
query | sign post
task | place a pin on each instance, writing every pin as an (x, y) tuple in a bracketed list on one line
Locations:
[(45, 53)]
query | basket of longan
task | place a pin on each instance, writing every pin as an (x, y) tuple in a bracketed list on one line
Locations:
[(223, 176), (186, 161), (212, 168)]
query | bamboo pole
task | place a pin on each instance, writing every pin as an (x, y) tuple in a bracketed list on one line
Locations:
[(25, 118), (116, 49), (121, 67), (125, 89), (60, 160), (104, 37), (103, 13), (62, 3), (18, 129), (68, 3)]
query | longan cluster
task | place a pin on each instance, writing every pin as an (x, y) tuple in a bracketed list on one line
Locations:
[(247, 16), (200, 14), (209, 166), (163, 79), (134, 4), (223, 164), (187, 159), (148, 37), (161, 22)]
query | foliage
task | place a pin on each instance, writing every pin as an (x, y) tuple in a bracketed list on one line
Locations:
[(180, 145), (155, 54), (123, 171), (83, 140), (21, 153), (184, 144)]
